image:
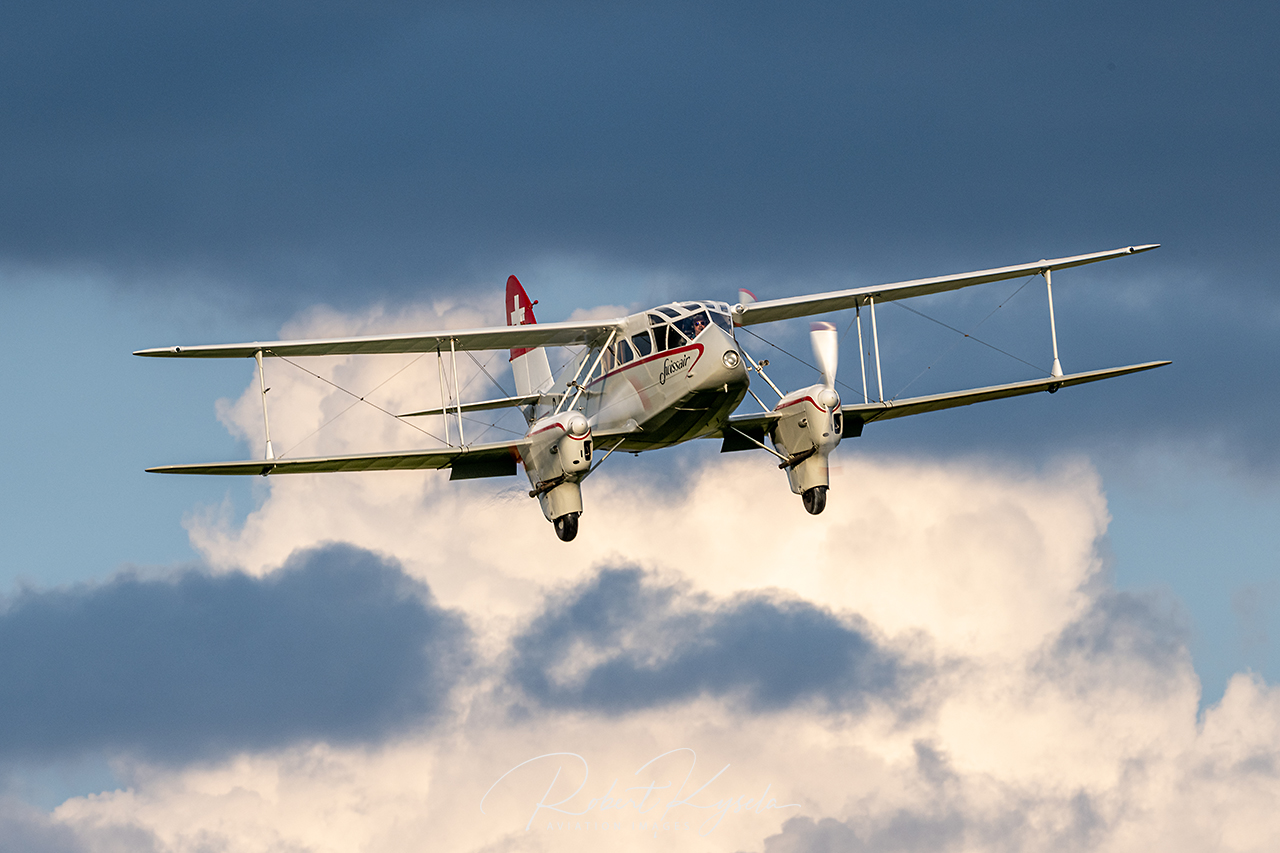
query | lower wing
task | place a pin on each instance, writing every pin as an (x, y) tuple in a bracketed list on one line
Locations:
[(481, 460), (868, 412)]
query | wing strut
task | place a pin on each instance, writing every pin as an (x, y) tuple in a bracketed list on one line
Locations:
[(457, 395), (862, 352), (875, 342), (1053, 329), (262, 384), (444, 401)]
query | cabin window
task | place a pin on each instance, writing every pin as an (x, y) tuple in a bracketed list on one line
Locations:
[(642, 344), (693, 325), (660, 337), (624, 352)]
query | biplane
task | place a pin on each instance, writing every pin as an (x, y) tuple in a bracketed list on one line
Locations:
[(649, 380)]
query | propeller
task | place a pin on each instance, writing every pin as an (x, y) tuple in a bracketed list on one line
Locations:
[(826, 352)]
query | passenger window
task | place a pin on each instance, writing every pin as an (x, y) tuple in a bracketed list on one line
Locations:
[(624, 352), (642, 343)]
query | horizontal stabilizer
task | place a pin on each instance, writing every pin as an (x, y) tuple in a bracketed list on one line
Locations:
[(868, 412), (446, 457), (482, 406)]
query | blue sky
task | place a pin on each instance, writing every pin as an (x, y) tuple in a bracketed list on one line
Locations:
[(180, 176)]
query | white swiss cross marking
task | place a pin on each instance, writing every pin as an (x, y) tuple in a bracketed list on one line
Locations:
[(517, 316)]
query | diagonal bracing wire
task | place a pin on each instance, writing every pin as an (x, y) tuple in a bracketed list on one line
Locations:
[(963, 335), (966, 335), (358, 400)]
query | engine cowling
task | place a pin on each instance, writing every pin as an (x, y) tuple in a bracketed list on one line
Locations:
[(809, 429), (558, 457)]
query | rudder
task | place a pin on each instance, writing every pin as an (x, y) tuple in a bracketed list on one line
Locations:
[(530, 367)]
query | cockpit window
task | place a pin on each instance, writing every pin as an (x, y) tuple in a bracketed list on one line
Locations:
[(670, 312), (693, 325), (674, 338), (723, 321)]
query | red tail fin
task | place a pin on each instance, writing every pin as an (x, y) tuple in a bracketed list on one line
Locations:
[(519, 310)]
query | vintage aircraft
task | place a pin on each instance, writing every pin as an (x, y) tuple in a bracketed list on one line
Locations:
[(649, 380)]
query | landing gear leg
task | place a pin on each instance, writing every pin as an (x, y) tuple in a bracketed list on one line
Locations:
[(815, 500), (567, 525)]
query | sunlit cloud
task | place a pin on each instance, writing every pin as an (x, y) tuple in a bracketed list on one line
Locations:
[(936, 662)]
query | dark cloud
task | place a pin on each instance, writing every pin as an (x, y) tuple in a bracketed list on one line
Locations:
[(1127, 640), (1018, 823), (334, 146), (621, 642), (339, 645)]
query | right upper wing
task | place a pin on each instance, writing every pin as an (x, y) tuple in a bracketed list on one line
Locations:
[(770, 310), (493, 338)]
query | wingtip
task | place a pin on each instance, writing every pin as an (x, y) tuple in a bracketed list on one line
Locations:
[(1133, 250)]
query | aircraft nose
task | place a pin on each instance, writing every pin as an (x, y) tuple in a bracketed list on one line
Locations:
[(721, 363)]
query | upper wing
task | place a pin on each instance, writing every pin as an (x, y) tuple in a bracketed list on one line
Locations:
[(820, 303), (868, 412), (481, 460), (496, 337)]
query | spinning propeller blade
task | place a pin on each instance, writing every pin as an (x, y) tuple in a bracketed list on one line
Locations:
[(826, 350)]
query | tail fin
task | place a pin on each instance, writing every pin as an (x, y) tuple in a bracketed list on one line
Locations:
[(530, 367)]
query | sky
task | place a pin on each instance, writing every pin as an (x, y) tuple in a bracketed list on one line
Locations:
[(1048, 623)]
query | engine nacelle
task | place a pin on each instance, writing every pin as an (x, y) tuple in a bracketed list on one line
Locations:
[(558, 457), (809, 429)]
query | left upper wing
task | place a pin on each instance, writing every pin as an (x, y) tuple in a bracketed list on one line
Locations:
[(770, 310), (481, 460), (493, 338)]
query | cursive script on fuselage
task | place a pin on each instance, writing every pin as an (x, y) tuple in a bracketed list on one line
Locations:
[(671, 366)]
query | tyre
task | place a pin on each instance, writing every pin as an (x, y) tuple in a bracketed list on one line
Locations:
[(567, 526), (815, 499)]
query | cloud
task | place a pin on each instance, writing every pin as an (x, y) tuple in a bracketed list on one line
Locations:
[(1065, 717), (616, 643), (1061, 713), (337, 645), (26, 829)]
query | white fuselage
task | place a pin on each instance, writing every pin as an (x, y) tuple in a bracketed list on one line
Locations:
[(672, 374)]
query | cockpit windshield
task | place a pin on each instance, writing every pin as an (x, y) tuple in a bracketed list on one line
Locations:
[(688, 319), (693, 325)]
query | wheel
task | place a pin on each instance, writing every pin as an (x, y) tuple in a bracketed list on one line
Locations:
[(815, 499), (567, 526)]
